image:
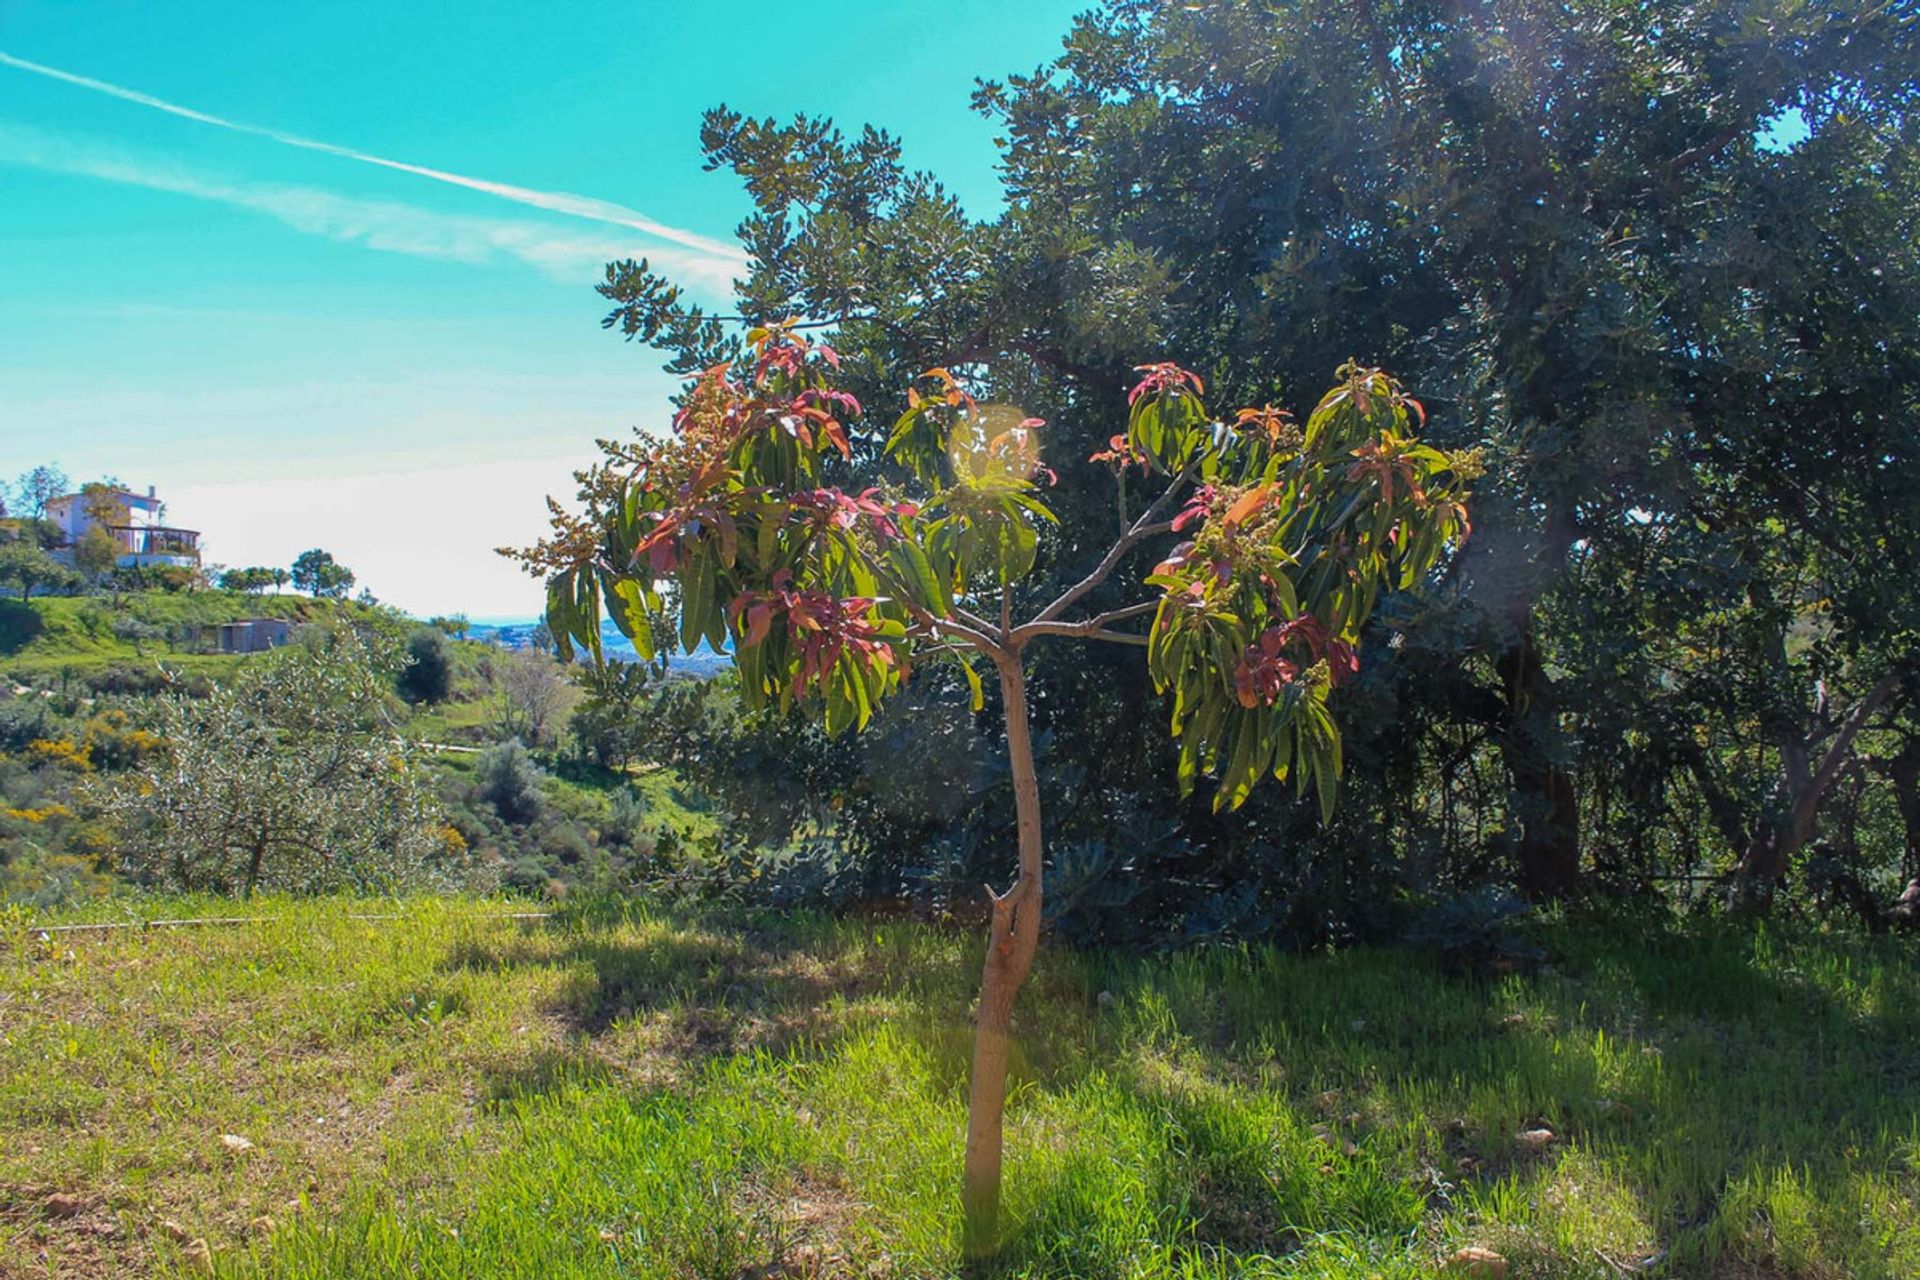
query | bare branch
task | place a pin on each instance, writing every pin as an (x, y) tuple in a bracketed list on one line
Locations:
[(1097, 627), (1149, 525), (975, 621), (1118, 637), (948, 628)]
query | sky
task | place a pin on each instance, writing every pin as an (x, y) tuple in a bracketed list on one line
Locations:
[(323, 274)]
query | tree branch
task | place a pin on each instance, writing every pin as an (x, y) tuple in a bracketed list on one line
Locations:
[(1097, 627), (1147, 526), (934, 627)]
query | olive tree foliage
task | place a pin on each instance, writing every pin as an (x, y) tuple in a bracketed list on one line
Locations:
[(291, 778), (1661, 260), (1275, 541), (25, 566)]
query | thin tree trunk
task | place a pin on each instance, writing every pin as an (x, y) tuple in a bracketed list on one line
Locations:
[(1764, 864), (255, 860), (1904, 773), (1011, 940)]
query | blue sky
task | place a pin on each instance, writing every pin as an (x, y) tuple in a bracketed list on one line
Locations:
[(302, 341)]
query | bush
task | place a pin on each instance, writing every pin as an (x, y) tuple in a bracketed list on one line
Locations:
[(428, 675), (510, 782)]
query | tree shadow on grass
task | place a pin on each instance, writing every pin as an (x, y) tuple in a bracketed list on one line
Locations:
[(652, 1003), (1691, 1066), (1684, 1064)]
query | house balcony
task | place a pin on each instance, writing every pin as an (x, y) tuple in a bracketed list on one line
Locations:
[(142, 545)]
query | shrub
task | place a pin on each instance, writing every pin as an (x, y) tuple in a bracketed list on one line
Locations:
[(510, 782), (428, 675)]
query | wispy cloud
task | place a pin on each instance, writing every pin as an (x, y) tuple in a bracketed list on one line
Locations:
[(563, 202), (388, 225)]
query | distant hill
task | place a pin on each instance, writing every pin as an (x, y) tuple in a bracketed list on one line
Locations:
[(517, 633)]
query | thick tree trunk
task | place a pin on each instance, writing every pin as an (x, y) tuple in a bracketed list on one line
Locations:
[(1549, 804), (1012, 938)]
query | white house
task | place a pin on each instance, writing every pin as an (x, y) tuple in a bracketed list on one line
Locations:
[(134, 520)]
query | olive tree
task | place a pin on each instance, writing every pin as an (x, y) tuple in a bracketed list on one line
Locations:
[(287, 777), (1275, 542)]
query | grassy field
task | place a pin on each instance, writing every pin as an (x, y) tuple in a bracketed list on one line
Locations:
[(640, 1093), (51, 634)]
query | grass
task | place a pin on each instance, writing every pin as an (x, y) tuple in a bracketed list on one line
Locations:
[(50, 634), (641, 1093)]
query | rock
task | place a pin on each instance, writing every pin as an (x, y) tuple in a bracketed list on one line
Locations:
[(64, 1205), (1105, 1000), (1535, 1139), (235, 1143), (1483, 1264)]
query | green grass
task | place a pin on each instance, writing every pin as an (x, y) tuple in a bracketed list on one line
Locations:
[(50, 634), (470, 721), (641, 1093)]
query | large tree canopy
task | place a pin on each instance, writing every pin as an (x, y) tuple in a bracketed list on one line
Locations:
[(1659, 260)]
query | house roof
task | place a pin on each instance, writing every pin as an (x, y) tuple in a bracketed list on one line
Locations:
[(132, 499)]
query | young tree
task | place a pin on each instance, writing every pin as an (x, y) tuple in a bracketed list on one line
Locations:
[(609, 720), (36, 488), (287, 777), (533, 694), (102, 501), (24, 565), (96, 554), (1283, 540), (317, 573)]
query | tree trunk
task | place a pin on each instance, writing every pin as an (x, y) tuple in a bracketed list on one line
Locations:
[(1799, 792), (1904, 773), (1011, 940), (256, 858), (1549, 804)]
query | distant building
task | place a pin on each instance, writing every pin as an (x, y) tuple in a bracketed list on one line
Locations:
[(254, 635), (134, 521)]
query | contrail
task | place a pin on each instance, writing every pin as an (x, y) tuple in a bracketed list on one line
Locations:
[(553, 201), (564, 252)]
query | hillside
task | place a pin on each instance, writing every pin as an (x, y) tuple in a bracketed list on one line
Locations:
[(87, 632), (432, 1088)]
